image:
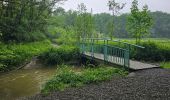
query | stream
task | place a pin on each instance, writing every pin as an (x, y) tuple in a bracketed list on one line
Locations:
[(24, 82)]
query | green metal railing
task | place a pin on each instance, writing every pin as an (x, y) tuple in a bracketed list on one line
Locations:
[(102, 49)]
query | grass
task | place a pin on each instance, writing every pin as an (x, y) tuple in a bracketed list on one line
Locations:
[(13, 55), (67, 77), (165, 64)]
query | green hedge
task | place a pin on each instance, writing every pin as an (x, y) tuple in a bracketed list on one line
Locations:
[(60, 55), (13, 55), (153, 51)]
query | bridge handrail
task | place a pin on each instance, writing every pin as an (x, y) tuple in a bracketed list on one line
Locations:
[(116, 41), (129, 44), (116, 47)]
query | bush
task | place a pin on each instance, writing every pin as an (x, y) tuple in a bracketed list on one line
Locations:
[(67, 77), (152, 52), (64, 78), (60, 55), (12, 55)]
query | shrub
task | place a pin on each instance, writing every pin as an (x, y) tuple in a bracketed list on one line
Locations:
[(152, 52), (60, 55), (67, 77), (64, 78), (12, 55), (95, 75)]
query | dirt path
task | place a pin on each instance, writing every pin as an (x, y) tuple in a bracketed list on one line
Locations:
[(151, 84)]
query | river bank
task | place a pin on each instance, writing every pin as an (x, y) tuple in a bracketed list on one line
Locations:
[(151, 84)]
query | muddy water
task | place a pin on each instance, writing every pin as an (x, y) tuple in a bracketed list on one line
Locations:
[(23, 82)]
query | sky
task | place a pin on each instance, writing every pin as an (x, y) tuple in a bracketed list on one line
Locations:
[(100, 6)]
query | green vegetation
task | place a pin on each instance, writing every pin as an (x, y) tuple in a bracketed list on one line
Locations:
[(26, 26), (154, 51), (68, 77), (84, 23), (139, 22), (24, 20), (165, 64), (159, 29), (13, 55), (114, 7), (62, 36), (55, 56)]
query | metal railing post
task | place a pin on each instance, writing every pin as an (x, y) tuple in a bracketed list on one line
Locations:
[(105, 50), (83, 46), (126, 58)]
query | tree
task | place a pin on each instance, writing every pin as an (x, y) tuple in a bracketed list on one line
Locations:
[(115, 8), (101, 22), (139, 22), (22, 20), (84, 23), (59, 11)]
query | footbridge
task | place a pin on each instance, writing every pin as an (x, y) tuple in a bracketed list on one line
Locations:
[(112, 51)]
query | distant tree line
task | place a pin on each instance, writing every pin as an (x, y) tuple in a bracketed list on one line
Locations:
[(160, 27), (30, 20)]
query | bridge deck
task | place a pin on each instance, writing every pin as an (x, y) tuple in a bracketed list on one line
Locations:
[(135, 65)]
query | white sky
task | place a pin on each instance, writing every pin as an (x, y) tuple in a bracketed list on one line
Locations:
[(100, 6)]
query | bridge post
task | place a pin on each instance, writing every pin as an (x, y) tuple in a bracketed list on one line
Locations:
[(105, 50), (92, 48), (83, 45), (126, 58)]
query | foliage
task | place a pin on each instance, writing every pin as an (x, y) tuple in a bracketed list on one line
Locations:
[(65, 36), (160, 27), (67, 77), (84, 23), (139, 22), (153, 51), (165, 64), (110, 28), (60, 55), (20, 18), (115, 8), (13, 55), (101, 21)]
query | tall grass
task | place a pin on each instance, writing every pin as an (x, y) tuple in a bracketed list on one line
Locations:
[(13, 55)]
